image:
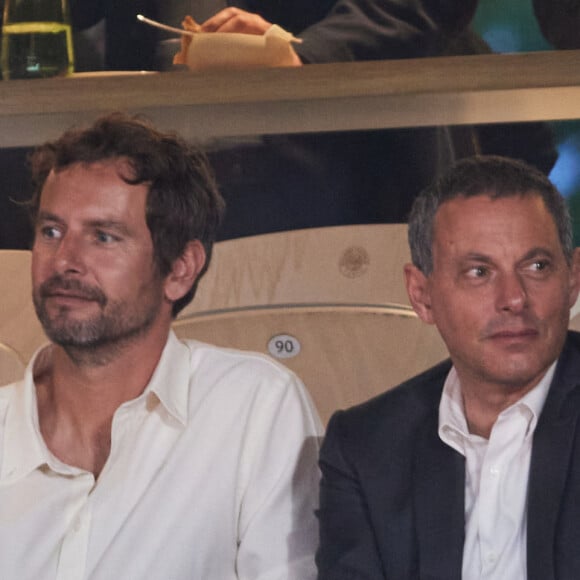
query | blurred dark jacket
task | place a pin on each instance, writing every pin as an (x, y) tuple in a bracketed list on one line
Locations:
[(313, 180), (332, 30)]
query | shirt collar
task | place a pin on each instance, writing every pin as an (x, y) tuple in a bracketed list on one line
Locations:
[(170, 380), (22, 425), (24, 449), (453, 424)]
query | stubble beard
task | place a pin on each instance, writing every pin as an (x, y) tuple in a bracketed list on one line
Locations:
[(100, 338)]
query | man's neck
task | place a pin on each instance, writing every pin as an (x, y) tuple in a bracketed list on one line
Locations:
[(483, 403), (77, 401)]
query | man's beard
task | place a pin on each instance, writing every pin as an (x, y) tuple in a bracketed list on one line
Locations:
[(117, 322)]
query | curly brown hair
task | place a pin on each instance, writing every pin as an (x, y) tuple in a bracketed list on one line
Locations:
[(183, 202)]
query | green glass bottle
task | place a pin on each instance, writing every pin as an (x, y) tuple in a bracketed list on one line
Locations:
[(36, 39)]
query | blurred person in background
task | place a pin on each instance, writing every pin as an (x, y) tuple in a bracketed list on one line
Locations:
[(287, 182)]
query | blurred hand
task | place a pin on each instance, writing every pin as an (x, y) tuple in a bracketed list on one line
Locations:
[(295, 58), (235, 20)]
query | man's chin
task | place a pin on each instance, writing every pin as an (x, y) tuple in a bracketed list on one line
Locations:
[(519, 374), (76, 341), (74, 334)]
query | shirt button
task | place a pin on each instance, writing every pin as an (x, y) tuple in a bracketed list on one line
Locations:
[(491, 558), (494, 471), (77, 525)]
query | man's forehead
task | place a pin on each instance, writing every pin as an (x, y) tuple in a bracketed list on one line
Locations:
[(93, 191), (487, 221), (122, 165), (463, 206)]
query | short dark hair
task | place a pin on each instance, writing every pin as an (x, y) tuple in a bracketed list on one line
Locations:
[(489, 175), (183, 202)]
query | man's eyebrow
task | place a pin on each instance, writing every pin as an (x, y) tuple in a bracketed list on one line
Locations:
[(535, 252), (118, 226), (48, 216), (477, 257), (538, 252)]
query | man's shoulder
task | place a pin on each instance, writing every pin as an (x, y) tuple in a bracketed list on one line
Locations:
[(567, 375), (573, 340), (227, 369), (7, 391), (407, 404), (569, 360), (246, 382), (422, 389), (203, 353)]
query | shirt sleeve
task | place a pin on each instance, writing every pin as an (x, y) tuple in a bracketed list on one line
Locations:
[(348, 547), (384, 29), (278, 531)]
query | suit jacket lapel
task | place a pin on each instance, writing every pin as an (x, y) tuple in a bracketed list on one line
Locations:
[(439, 489), (551, 452)]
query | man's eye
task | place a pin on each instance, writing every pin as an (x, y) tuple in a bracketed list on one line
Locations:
[(478, 271), (50, 232), (540, 265), (105, 238)]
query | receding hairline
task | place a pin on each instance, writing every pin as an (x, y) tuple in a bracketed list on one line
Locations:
[(494, 196)]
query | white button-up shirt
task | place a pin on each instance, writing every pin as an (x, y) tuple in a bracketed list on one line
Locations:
[(496, 480), (211, 476)]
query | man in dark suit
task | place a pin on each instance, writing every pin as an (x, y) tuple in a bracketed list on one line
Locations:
[(472, 469)]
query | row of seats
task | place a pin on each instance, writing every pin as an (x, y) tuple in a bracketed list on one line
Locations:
[(329, 303)]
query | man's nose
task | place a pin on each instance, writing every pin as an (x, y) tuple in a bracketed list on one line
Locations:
[(69, 255), (511, 293)]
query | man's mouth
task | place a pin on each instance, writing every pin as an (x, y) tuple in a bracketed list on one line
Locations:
[(512, 334), (68, 297), (61, 290)]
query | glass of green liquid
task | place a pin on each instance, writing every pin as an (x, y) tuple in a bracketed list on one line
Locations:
[(36, 39)]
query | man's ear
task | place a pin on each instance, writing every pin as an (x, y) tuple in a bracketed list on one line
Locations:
[(418, 291), (185, 271), (575, 277)]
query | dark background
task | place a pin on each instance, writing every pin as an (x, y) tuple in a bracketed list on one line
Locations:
[(506, 25)]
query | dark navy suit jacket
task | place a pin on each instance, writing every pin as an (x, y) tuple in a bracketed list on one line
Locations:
[(392, 493)]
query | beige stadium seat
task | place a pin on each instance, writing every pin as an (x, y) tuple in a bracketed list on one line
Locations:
[(20, 331), (11, 365), (575, 316), (329, 303)]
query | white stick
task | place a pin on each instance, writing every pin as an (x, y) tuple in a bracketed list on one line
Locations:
[(156, 24)]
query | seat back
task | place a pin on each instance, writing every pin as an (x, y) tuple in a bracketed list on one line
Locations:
[(20, 331), (575, 316), (329, 303)]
